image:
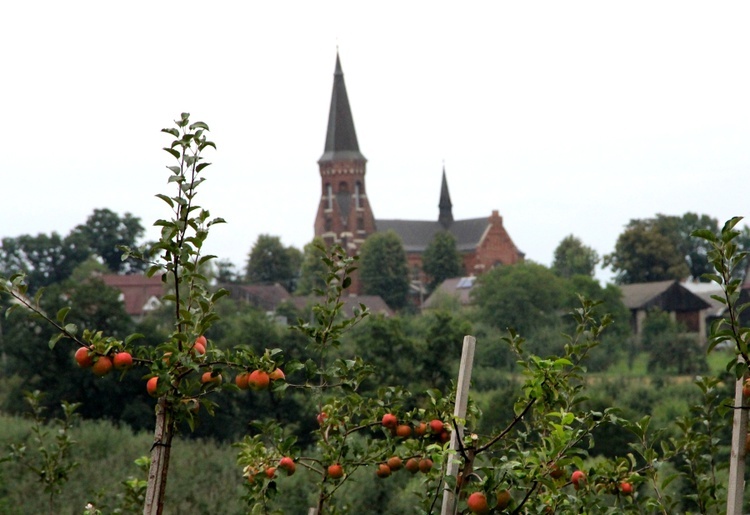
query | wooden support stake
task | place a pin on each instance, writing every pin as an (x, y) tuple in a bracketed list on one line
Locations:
[(736, 484), (462, 399)]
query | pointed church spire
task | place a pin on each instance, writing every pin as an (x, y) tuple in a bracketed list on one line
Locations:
[(341, 138), (445, 205)]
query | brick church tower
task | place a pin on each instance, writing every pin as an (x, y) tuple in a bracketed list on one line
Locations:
[(344, 214)]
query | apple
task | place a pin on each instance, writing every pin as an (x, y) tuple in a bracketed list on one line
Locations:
[(403, 430), (556, 472), (198, 349), (277, 374), (626, 488), (420, 429), (201, 340), (151, 386), (395, 463), (102, 366), (123, 360), (412, 465), (335, 471), (83, 358), (241, 380), (436, 426), (258, 380), (287, 464), (478, 503), (210, 377), (578, 478), (746, 389), (383, 470), (425, 465), (443, 436), (503, 499), (321, 418), (389, 420), (270, 472)]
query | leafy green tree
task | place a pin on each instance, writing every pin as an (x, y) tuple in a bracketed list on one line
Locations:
[(312, 270), (669, 347), (520, 296), (270, 262), (45, 259), (383, 268), (572, 257), (441, 260), (106, 231), (643, 253)]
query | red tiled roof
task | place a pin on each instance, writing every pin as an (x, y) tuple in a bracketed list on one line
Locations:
[(136, 290)]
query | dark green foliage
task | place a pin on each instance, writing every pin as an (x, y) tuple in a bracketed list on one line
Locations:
[(105, 231), (661, 248), (383, 268), (669, 347), (312, 270), (572, 257), (270, 262), (522, 296), (441, 260)]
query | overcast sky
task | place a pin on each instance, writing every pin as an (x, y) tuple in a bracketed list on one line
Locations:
[(567, 117)]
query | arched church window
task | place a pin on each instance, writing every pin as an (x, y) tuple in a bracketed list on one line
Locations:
[(329, 196)]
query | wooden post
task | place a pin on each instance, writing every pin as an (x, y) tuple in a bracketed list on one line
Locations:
[(462, 399), (157, 474), (736, 485)]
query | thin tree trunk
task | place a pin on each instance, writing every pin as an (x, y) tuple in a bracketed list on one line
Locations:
[(157, 474)]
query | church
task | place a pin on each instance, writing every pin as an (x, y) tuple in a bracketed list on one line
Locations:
[(345, 215)]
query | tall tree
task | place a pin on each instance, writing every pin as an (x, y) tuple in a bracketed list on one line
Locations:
[(647, 251), (441, 260), (572, 257), (270, 262), (105, 231), (383, 268), (519, 296), (312, 275)]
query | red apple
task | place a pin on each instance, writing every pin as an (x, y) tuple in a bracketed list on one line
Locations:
[(503, 499), (403, 430), (335, 471), (83, 358), (436, 426), (383, 470), (395, 463), (425, 465), (626, 488), (277, 374), (389, 420), (241, 380), (412, 465), (287, 464), (123, 360), (478, 503), (578, 478), (258, 380), (102, 366), (151, 386)]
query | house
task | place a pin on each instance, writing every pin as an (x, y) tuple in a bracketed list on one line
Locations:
[(672, 297), (140, 294), (263, 296), (345, 214), (457, 287)]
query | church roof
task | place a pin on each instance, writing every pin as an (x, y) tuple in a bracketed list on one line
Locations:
[(445, 204), (417, 234), (341, 137)]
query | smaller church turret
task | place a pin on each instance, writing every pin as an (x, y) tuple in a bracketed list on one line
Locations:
[(445, 205)]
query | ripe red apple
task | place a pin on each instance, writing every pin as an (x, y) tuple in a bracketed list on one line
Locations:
[(503, 499), (335, 471), (425, 465), (270, 472), (403, 430), (436, 426), (420, 429), (746, 389), (578, 478), (241, 380), (277, 374), (321, 418), (102, 366), (198, 349), (556, 472), (395, 463), (443, 436), (626, 488), (201, 340), (478, 503), (287, 464), (123, 360), (258, 380), (412, 465), (83, 358), (151, 386), (210, 377), (383, 470), (390, 421)]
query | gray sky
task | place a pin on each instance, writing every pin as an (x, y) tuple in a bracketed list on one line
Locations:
[(567, 117)]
